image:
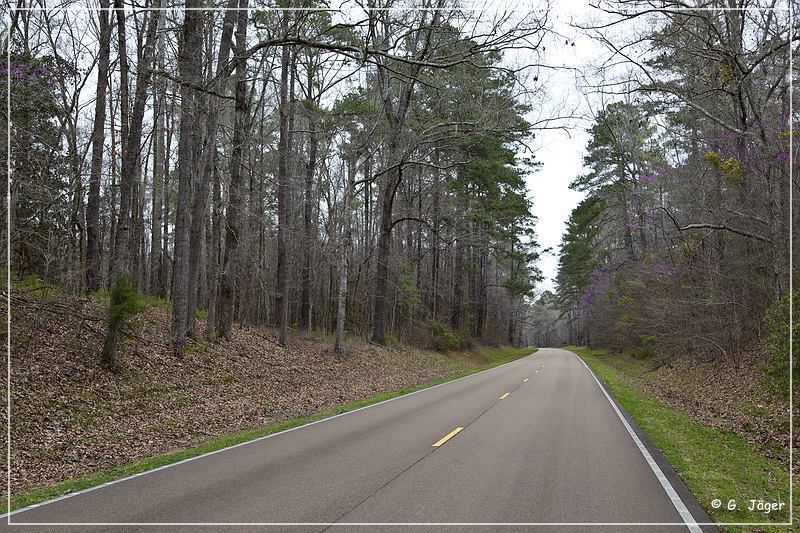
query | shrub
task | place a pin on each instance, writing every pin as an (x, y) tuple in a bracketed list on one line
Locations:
[(104, 296), (445, 339), (777, 323), (645, 349), (126, 302), (33, 286)]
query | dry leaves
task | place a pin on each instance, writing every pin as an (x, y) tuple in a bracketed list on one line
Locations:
[(727, 395), (70, 417)]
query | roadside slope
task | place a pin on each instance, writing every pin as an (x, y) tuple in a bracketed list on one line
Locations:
[(70, 418)]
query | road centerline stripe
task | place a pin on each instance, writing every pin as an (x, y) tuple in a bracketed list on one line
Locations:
[(525, 380), (446, 437), (504, 396), (70, 495)]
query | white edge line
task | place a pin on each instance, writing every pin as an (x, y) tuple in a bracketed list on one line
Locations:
[(257, 439), (676, 500)]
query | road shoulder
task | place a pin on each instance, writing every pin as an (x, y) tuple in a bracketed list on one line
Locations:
[(705, 463)]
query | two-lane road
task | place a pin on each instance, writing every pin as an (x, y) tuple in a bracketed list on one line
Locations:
[(533, 441)]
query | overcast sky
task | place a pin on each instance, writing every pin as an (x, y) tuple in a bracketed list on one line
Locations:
[(561, 152)]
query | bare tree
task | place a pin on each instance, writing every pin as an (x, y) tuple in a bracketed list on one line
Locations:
[(93, 239), (189, 62), (131, 156), (235, 193)]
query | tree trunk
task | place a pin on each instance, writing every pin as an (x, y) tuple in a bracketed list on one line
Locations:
[(511, 322), (93, 236), (131, 142), (189, 64), (344, 257), (131, 133), (233, 214), (481, 294), (142, 263), (156, 273), (381, 281), (166, 274), (282, 289), (367, 206), (213, 264), (200, 208), (390, 182), (435, 208), (396, 112), (109, 258), (126, 176), (626, 224), (308, 229), (458, 273)]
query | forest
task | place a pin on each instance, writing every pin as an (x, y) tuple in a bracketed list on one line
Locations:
[(229, 219), (681, 244), (362, 170), (349, 171)]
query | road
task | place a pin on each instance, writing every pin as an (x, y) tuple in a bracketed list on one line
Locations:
[(539, 442)]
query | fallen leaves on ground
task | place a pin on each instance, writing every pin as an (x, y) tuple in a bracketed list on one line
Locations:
[(725, 394), (70, 417)]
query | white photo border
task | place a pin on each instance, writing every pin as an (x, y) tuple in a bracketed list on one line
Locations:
[(10, 9)]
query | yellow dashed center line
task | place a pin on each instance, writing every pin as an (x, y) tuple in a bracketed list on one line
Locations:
[(525, 380), (503, 397), (446, 437)]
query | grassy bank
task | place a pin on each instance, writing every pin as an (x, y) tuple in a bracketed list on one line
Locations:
[(714, 464), (486, 358)]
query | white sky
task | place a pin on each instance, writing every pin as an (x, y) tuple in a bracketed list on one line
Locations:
[(561, 152)]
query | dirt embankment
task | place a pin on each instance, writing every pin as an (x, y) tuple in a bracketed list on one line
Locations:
[(70, 417), (730, 395)]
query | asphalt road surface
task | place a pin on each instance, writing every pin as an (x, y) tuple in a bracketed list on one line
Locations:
[(535, 442)]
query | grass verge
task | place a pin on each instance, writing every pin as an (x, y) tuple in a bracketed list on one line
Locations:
[(714, 464), (495, 357)]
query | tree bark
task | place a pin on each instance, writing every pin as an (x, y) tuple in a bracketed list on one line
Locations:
[(131, 142), (458, 273), (189, 64), (125, 186), (200, 208), (93, 235), (213, 264), (131, 132), (396, 114), (308, 229), (344, 257), (233, 214), (282, 289), (435, 208), (384, 243), (156, 273), (166, 274)]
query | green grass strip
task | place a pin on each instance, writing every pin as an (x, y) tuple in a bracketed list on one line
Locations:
[(714, 464), (40, 494)]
